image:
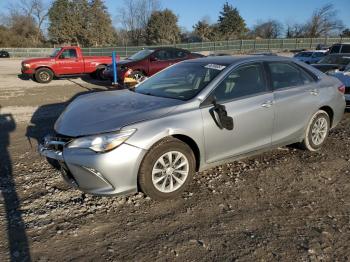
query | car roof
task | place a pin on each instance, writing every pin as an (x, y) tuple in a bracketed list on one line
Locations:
[(166, 48), (231, 60)]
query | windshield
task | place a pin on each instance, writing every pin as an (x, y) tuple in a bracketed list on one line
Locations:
[(55, 52), (304, 54), (335, 59), (141, 54), (182, 81)]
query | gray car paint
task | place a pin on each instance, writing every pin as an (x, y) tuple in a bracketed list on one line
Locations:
[(256, 128), (109, 111)]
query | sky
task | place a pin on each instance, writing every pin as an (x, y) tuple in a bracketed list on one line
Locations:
[(298, 11), (190, 11)]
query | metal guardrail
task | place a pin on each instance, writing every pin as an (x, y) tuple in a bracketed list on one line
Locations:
[(234, 46)]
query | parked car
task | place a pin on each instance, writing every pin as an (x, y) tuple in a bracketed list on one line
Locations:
[(65, 61), (147, 62), (310, 57), (192, 116), (340, 48), (322, 47), (265, 54), (4, 54), (344, 77), (333, 62)]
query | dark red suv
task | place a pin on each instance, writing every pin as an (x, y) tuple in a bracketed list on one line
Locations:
[(147, 62)]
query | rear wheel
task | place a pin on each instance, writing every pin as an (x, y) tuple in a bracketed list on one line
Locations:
[(43, 75), (167, 169), (316, 131)]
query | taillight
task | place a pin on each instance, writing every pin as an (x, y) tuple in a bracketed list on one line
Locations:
[(342, 89)]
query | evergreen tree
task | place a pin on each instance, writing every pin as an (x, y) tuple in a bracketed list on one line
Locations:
[(101, 31), (82, 22), (231, 25), (162, 28), (61, 29)]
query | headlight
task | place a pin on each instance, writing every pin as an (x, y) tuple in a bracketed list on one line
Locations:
[(26, 65), (103, 142)]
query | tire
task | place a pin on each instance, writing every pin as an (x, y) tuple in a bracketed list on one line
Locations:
[(137, 75), (99, 73), (318, 126), (171, 178), (43, 75)]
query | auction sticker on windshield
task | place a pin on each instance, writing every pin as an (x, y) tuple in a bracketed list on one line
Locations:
[(216, 67)]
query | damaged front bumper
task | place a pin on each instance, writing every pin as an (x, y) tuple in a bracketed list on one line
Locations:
[(111, 173)]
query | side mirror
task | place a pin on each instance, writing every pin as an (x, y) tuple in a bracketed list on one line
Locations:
[(153, 59), (62, 56), (219, 115)]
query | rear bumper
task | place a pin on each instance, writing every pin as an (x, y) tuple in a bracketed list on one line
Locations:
[(111, 173)]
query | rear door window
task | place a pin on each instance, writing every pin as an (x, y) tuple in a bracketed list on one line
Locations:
[(345, 49), (285, 75), (164, 55), (180, 54), (335, 49)]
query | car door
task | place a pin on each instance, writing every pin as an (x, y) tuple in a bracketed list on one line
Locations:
[(159, 60), (295, 97), (246, 97), (69, 63)]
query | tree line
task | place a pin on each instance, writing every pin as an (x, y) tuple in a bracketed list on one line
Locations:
[(32, 23)]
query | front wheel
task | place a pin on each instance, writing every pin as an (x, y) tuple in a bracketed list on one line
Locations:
[(316, 131), (137, 75), (167, 169), (43, 75)]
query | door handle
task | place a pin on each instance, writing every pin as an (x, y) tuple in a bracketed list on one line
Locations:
[(267, 104)]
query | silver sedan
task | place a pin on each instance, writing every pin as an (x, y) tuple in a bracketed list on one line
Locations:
[(192, 116)]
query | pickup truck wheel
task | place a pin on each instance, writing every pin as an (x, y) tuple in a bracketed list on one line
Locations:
[(167, 169), (43, 75)]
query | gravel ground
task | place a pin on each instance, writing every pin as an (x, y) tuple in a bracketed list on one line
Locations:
[(284, 205)]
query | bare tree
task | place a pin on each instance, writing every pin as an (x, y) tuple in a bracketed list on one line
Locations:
[(135, 15), (36, 9), (268, 29), (295, 30), (323, 22)]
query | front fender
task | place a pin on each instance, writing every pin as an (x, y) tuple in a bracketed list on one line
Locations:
[(188, 123)]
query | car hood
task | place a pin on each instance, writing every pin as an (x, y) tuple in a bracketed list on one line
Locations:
[(38, 60), (109, 111)]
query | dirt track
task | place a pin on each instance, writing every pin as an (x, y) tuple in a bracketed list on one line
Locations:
[(285, 205)]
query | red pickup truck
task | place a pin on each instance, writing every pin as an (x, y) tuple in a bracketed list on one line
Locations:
[(65, 61)]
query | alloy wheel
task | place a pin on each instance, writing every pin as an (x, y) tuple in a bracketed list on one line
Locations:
[(170, 171), (319, 131)]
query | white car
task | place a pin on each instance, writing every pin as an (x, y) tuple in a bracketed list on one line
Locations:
[(344, 77)]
